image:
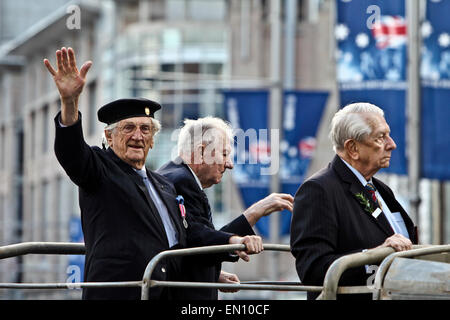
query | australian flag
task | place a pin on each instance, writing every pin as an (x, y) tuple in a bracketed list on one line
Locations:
[(371, 37)]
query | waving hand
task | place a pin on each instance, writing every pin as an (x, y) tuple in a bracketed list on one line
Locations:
[(69, 81)]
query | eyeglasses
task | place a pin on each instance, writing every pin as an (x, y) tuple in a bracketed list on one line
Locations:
[(130, 128)]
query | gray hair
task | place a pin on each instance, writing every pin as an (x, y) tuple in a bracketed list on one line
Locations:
[(156, 127), (201, 131), (351, 122)]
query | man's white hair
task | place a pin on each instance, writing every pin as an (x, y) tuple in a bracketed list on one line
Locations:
[(351, 122), (201, 131), (156, 127)]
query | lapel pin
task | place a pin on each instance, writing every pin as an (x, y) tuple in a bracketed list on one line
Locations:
[(180, 201)]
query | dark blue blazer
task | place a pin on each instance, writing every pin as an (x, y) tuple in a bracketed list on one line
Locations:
[(122, 228), (329, 222), (201, 230)]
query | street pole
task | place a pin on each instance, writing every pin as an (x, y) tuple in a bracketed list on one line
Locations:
[(413, 106), (275, 123), (290, 9)]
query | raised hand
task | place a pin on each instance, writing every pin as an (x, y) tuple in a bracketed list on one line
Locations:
[(69, 81)]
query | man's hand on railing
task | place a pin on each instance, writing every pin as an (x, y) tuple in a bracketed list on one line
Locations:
[(398, 242), (253, 245), (226, 277)]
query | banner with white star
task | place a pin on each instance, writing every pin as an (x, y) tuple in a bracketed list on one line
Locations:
[(248, 113), (435, 93), (371, 39)]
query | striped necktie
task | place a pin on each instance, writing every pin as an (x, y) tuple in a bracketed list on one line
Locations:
[(371, 188)]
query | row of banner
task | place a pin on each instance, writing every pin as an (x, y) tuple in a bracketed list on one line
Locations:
[(371, 37), (372, 41), (248, 111)]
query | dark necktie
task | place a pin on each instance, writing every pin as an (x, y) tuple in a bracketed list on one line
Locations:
[(371, 188), (209, 208)]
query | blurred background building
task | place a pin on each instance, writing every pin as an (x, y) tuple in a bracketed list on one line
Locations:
[(181, 53)]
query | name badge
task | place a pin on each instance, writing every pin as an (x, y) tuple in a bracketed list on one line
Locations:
[(376, 213)]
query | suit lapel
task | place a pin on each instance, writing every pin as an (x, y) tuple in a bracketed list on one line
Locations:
[(355, 187), (199, 191)]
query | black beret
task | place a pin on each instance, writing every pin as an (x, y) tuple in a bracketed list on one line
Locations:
[(127, 108)]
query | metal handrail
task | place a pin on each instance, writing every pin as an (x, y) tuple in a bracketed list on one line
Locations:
[(71, 285), (23, 248), (66, 248), (147, 283), (337, 268), (329, 289), (418, 251)]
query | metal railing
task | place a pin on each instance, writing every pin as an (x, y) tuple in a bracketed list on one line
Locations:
[(148, 283), (329, 290), (384, 266), (374, 256), (18, 249)]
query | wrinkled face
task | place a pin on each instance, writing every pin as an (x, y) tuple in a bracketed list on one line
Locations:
[(131, 140), (215, 160), (375, 151)]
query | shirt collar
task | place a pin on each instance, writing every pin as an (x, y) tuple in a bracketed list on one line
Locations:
[(357, 173), (142, 172), (195, 176)]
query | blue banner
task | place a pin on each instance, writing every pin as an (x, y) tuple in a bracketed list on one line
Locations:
[(371, 38), (302, 112), (248, 113), (435, 94), (75, 269)]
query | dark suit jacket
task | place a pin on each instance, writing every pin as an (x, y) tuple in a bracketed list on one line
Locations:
[(328, 222), (122, 229), (205, 268)]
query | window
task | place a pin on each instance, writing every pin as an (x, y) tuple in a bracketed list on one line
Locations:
[(32, 133), (176, 10), (157, 10), (44, 227), (199, 10), (207, 10), (32, 223), (45, 129), (2, 148), (92, 89), (58, 192), (2, 217)]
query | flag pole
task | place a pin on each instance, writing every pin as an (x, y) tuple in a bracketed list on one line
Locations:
[(413, 106), (275, 124)]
